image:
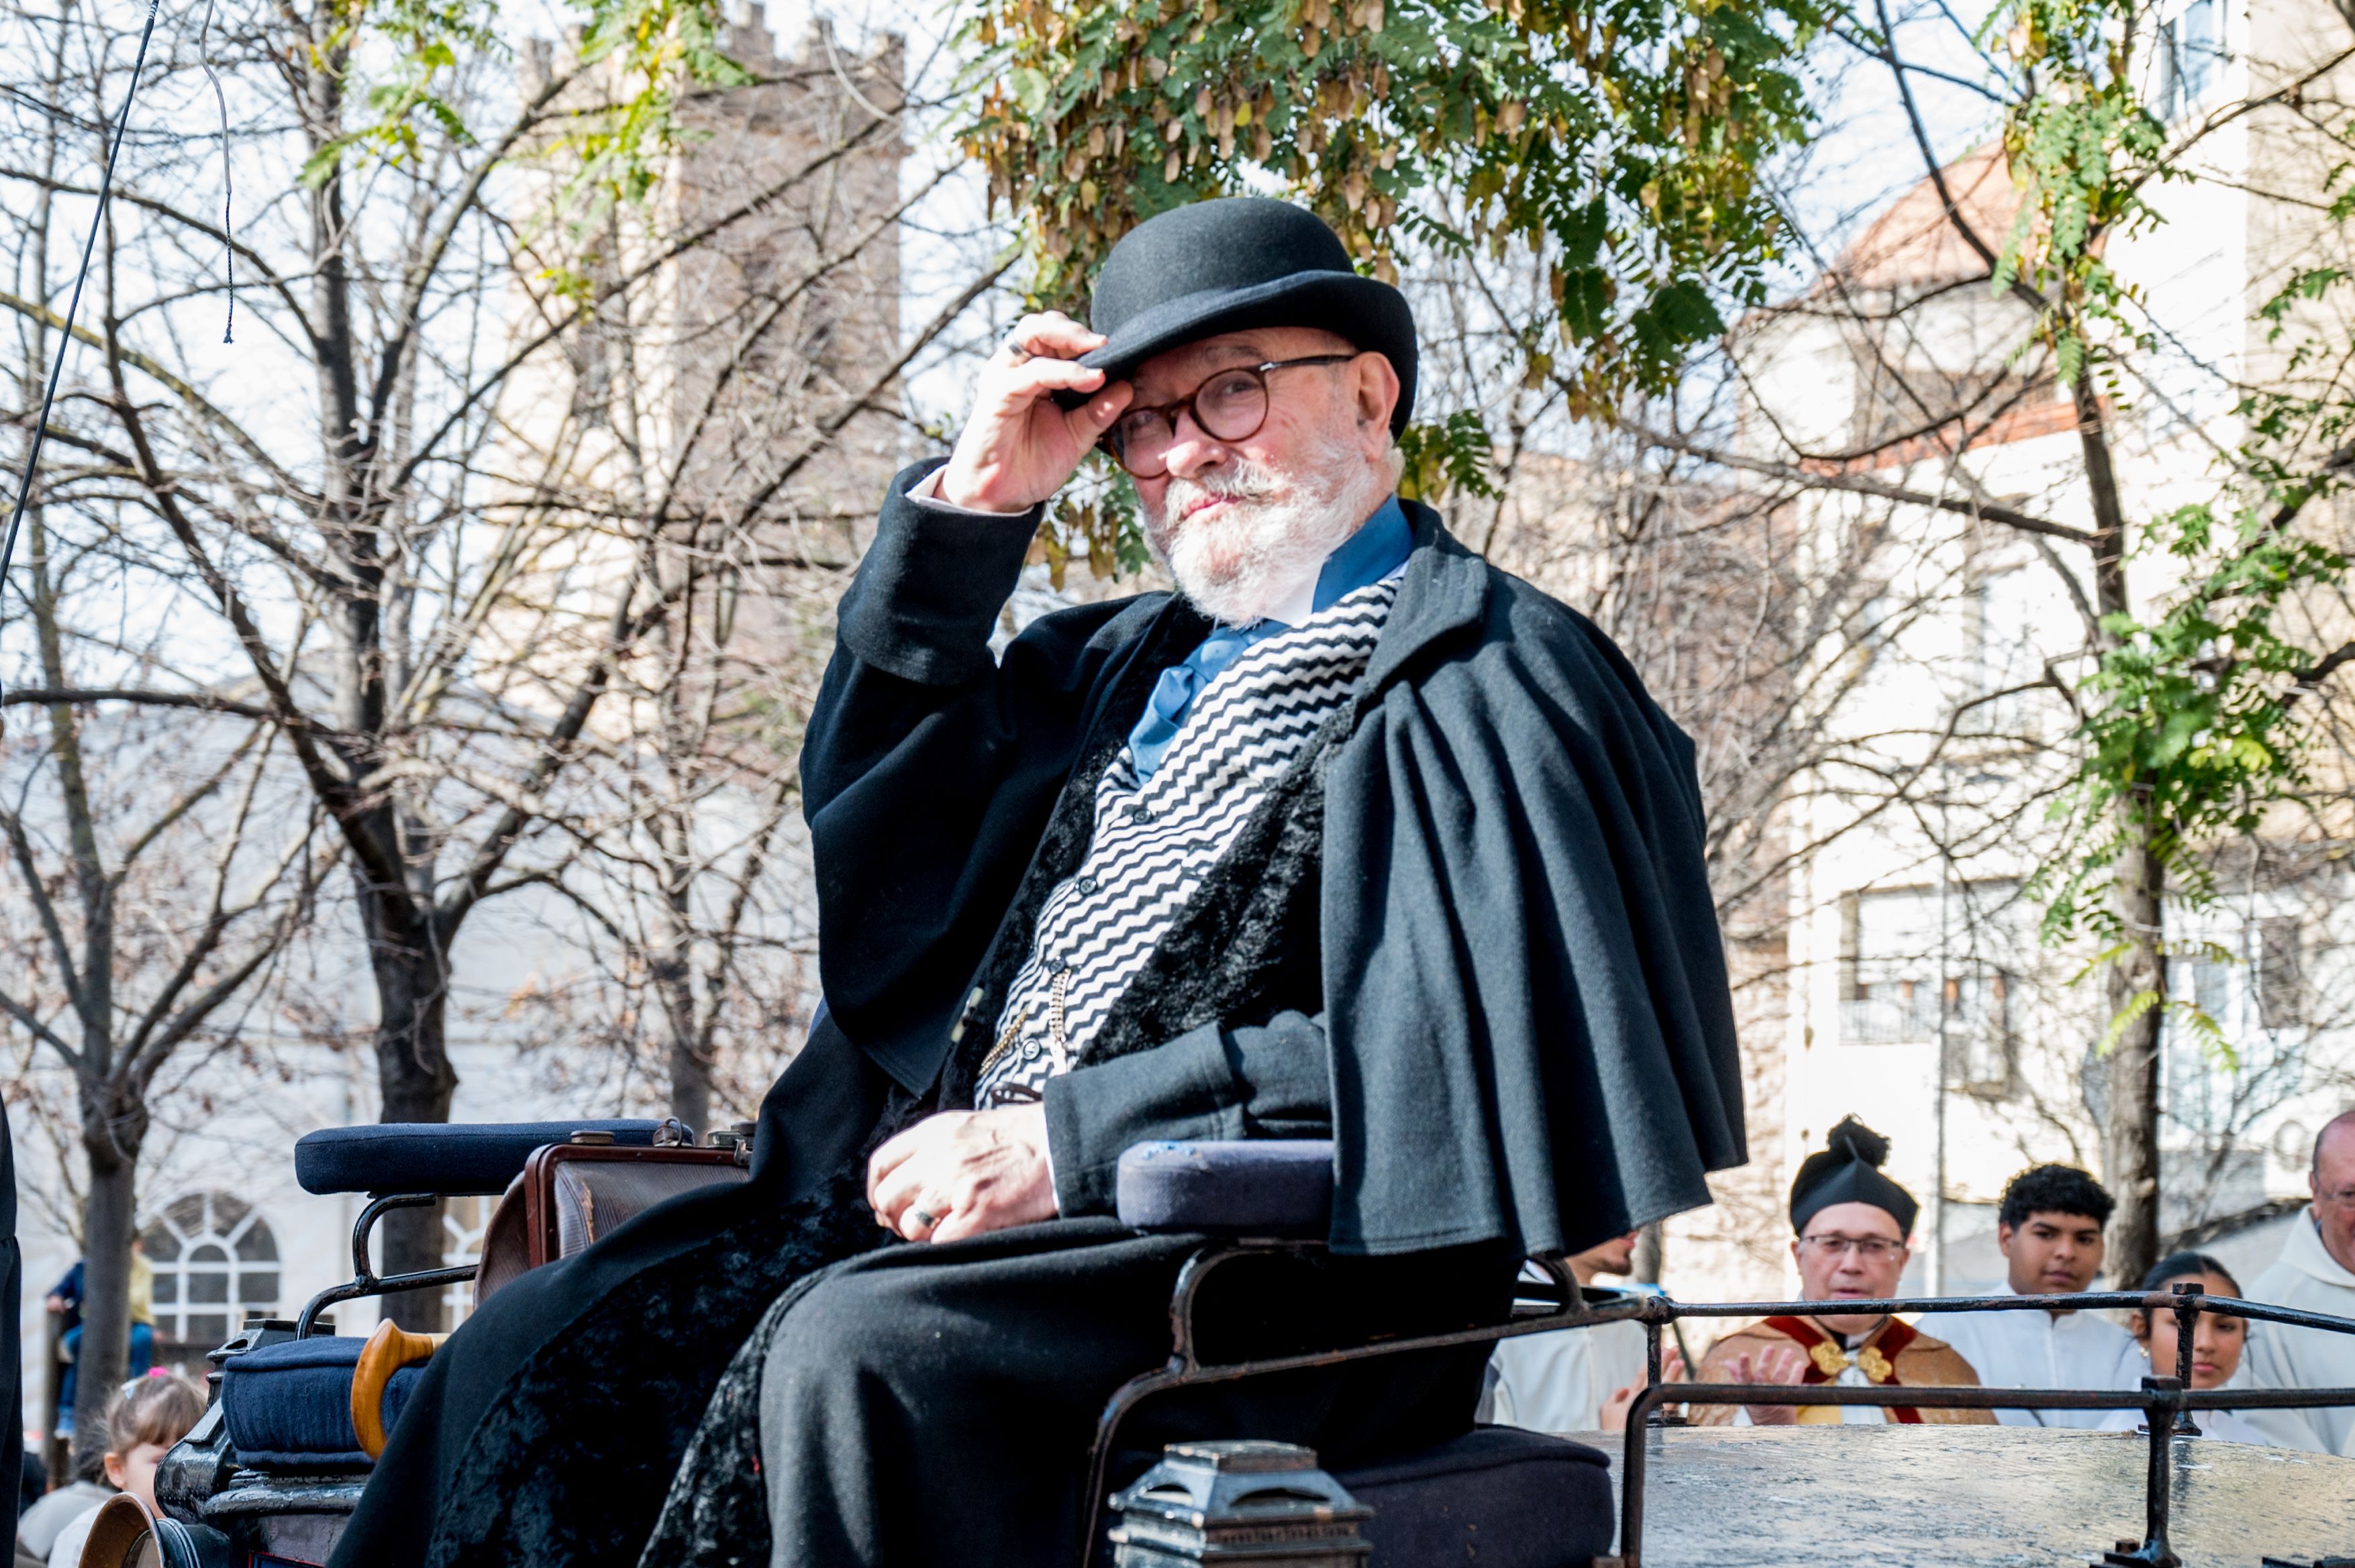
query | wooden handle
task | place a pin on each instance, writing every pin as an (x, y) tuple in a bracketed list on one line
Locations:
[(389, 1350)]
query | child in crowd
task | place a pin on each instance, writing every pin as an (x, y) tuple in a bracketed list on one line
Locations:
[(145, 1419), (2216, 1342)]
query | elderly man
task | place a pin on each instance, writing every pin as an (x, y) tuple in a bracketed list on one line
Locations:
[(2315, 1273), (1354, 836), (2049, 1229), (1850, 1223)]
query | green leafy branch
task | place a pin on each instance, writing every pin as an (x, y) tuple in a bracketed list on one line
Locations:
[(1448, 457), (2188, 734), (1621, 142), (2081, 147), (1624, 140), (2193, 728), (614, 149)]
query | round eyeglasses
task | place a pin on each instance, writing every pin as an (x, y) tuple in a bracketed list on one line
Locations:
[(1230, 404), (1872, 1249)]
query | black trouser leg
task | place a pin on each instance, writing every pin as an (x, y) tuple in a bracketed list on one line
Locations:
[(926, 1405)]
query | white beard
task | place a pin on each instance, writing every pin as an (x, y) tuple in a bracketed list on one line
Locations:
[(1272, 537)]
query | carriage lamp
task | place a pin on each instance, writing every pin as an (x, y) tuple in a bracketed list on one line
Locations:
[(1264, 1503)]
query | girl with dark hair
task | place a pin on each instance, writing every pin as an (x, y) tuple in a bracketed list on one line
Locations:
[(2217, 1341), (142, 1421)]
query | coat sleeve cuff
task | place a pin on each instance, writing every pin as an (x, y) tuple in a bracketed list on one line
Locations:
[(1285, 1067), (1184, 1089), (929, 589)]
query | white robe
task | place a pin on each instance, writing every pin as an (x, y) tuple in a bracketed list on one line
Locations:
[(1557, 1381), (2225, 1426), (2036, 1350), (2309, 1280)]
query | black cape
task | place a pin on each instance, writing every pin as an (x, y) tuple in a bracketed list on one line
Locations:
[(1531, 1035)]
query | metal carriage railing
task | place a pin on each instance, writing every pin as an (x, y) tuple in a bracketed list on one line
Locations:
[(2168, 1402)]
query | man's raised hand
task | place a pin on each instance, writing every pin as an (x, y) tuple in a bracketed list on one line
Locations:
[(964, 1173), (1020, 445), (1770, 1364)]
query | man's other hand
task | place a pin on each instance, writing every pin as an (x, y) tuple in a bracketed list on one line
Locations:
[(1020, 445), (1773, 1363), (1614, 1409), (964, 1173)]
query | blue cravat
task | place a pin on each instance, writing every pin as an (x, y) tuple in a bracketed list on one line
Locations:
[(1365, 558)]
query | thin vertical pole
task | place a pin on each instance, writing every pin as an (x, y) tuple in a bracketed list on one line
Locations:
[(73, 304), (1938, 1248)]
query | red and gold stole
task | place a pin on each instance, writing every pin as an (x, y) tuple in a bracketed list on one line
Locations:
[(1877, 1359)]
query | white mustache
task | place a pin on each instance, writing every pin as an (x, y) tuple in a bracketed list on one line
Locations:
[(1243, 481)]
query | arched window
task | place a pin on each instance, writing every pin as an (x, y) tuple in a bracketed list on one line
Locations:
[(216, 1263)]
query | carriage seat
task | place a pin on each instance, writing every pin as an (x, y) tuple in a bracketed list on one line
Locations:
[(1496, 1496), (321, 1404), (451, 1160)]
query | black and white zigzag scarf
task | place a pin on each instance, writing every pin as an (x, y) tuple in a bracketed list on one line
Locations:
[(1156, 839)]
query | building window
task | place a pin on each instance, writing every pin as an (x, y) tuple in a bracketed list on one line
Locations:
[(2189, 47), (2281, 974), (216, 1264), (1907, 969), (463, 1221)]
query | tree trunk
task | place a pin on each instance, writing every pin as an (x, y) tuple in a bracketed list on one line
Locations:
[(691, 1071), (408, 948), (1651, 1254), (108, 1225), (673, 974), (2130, 1138), (2130, 1133), (415, 1081)]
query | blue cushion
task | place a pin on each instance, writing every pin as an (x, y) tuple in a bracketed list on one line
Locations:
[(451, 1157), (397, 1389), (1264, 1187), (1497, 1497), (291, 1403)]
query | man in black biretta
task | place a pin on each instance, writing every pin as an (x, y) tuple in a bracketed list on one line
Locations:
[(1352, 836)]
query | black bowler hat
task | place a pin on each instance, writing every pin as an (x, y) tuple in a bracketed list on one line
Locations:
[(1848, 1171), (1232, 264)]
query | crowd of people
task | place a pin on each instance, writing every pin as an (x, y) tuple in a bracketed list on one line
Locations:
[(1852, 1238)]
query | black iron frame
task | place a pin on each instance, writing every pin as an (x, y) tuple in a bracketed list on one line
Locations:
[(2171, 1398), (669, 1133), (364, 1280)]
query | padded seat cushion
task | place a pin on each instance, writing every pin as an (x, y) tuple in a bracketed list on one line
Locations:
[(289, 1405), (457, 1158), (1257, 1186), (1496, 1497)]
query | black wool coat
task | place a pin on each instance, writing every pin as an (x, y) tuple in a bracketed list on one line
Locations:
[(1519, 991)]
